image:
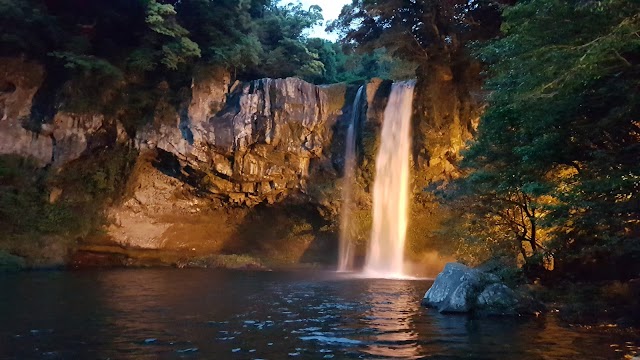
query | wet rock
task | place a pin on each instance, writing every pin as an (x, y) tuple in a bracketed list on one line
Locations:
[(497, 299), (461, 289)]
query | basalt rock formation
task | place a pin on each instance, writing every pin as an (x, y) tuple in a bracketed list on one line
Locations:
[(202, 169), (226, 153), (237, 167)]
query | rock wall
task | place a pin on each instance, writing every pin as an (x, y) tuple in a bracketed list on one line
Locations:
[(448, 103), (257, 147), (56, 143), (231, 150)]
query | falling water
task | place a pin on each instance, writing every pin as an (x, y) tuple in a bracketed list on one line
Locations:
[(345, 255), (385, 255)]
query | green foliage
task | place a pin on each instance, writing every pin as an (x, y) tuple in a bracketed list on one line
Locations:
[(416, 31), (87, 65), (28, 211), (24, 206), (98, 179), (555, 159), (160, 18), (27, 27), (167, 42)]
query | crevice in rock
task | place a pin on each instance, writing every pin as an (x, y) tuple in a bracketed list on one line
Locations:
[(7, 87)]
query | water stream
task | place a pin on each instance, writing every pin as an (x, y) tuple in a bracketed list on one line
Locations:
[(385, 255), (346, 251)]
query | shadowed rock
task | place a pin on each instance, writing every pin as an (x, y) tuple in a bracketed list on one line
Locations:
[(461, 289)]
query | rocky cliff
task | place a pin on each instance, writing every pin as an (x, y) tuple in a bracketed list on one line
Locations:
[(204, 173), (236, 167)]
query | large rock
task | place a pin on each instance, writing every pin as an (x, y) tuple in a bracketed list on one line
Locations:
[(461, 289)]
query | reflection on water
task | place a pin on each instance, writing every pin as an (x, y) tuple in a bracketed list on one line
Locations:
[(175, 314), (391, 312)]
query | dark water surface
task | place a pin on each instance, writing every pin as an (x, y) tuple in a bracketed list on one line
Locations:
[(206, 314)]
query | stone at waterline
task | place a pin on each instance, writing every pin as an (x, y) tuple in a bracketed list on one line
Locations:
[(11, 263), (461, 289), (498, 296)]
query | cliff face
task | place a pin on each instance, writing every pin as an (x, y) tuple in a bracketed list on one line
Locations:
[(250, 167), (448, 103), (226, 153), (206, 173), (257, 147)]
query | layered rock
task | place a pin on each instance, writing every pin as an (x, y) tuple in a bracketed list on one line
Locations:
[(257, 147), (65, 138), (230, 149)]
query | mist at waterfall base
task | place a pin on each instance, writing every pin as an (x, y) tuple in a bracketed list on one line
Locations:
[(385, 252)]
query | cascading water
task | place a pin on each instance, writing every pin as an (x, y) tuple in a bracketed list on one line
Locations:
[(385, 255), (345, 254)]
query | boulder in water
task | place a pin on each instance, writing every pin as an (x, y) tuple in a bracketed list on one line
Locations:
[(461, 289)]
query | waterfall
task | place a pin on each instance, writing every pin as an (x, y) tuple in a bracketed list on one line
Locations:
[(346, 251), (385, 255)]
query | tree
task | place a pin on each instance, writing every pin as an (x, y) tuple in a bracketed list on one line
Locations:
[(225, 30), (561, 131), (166, 42), (281, 33), (418, 31)]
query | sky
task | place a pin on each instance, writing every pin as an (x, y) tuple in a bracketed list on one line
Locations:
[(330, 11)]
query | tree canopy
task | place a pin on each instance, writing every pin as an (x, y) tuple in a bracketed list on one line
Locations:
[(555, 162), (418, 31), (253, 38)]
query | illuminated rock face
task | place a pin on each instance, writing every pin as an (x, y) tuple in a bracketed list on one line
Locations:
[(257, 146), (19, 82), (240, 145), (64, 138), (259, 142)]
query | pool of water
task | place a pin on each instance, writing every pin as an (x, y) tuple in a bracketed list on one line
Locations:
[(193, 313)]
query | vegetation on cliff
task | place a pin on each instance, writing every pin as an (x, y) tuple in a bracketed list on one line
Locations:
[(41, 206), (165, 40), (553, 175)]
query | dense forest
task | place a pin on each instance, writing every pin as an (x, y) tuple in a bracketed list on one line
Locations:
[(147, 41), (550, 185)]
